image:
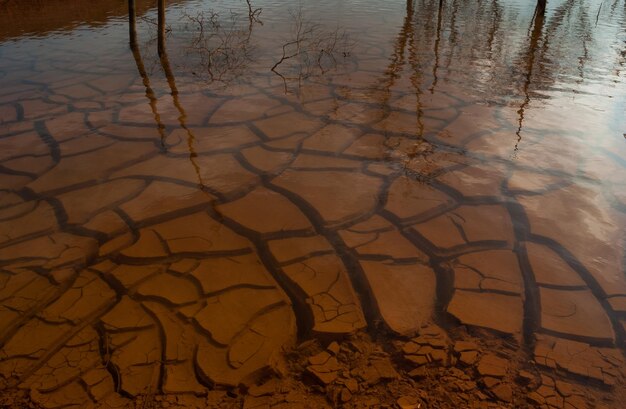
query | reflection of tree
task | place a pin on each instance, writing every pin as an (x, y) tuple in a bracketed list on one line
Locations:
[(132, 22), (218, 50), (161, 26), (169, 74), (416, 80), (397, 60), (560, 15), (436, 50), (253, 14), (310, 50), (483, 56), (453, 32), (529, 58), (541, 7), (550, 51), (407, 50), (152, 99), (182, 117), (585, 25), (621, 49), (494, 26)]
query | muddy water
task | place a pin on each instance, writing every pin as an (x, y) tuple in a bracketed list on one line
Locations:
[(169, 224)]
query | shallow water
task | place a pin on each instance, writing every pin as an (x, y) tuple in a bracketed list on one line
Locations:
[(168, 224)]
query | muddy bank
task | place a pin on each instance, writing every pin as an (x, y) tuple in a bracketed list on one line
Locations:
[(431, 370)]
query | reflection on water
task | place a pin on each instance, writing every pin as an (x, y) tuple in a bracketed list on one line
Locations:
[(187, 188), (41, 17)]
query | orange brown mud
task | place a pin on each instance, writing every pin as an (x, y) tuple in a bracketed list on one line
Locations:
[(125, 284), (259, 249)]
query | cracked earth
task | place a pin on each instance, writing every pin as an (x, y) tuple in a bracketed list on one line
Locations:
[(269, 250)]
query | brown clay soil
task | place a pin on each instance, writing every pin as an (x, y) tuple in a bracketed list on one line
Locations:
[(428, 371)]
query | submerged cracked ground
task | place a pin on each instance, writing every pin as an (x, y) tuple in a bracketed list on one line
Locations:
[(335, 204)]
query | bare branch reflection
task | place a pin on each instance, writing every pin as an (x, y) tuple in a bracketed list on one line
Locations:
[(219, 49), (311, 49), (253, 13)]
